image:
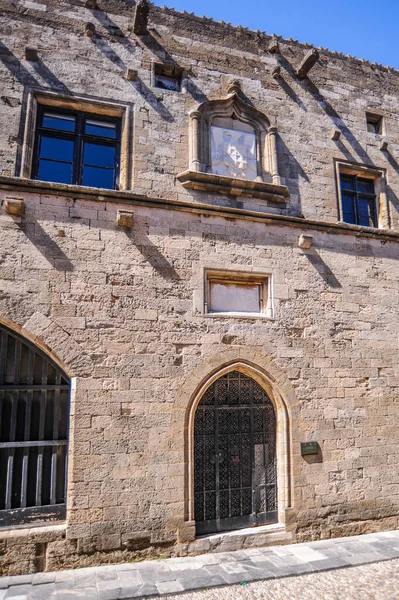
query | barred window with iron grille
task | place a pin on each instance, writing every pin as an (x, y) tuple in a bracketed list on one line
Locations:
[(34, 419)]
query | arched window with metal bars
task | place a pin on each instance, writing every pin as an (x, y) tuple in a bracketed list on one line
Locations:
[(34, 424)]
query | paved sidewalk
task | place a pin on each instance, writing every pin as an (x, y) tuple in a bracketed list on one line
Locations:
[(174, 575)]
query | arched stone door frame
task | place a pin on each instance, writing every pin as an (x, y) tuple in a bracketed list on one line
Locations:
[(283, 437), (59, 346)]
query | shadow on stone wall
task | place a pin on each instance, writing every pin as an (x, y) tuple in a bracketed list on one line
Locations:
[(308, 86), (46, 245), (151, 254), (15, 66), (139, 86), (323, 269)]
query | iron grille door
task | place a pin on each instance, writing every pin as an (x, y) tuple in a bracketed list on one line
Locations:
[(34, 417), (235, 483)]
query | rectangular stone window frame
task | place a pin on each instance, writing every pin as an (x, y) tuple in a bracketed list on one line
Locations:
[(378, 176), (375, 123), (239, 278), (122, 111), (160, 70)]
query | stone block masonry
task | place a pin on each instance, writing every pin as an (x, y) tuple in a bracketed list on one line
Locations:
[(122, 309)]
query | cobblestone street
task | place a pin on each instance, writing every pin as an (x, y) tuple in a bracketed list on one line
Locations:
[(368, 582)]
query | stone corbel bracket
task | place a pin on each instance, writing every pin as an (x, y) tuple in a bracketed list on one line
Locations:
[(125, 219), (14, 206), (308, 63), (140, 18), (199, 176)]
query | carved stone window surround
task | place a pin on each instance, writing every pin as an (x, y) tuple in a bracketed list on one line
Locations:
[(267, 184), (240, 278), (378, 176), (84, 104)]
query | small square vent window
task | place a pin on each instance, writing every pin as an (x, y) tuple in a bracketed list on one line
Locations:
[(375, 123), (168, 77), (237, 293)]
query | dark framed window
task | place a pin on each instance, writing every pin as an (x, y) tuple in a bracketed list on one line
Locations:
[(358, 200), (375, 123), (77, 148), (168, 77), (34, 432)]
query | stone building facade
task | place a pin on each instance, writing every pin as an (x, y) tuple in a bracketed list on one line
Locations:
[(203, 305)]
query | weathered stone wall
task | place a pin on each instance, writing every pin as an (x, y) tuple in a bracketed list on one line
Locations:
[(121, 310), (336, 95)]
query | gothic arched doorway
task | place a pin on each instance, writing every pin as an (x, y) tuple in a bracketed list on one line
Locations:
[(235, 475)]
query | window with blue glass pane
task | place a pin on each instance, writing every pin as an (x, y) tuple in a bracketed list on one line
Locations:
[(77, 148), (358, 200)]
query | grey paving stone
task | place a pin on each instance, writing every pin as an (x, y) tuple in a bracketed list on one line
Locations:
[(128, 566), (145, 591), (362, 559), (147, 575), (106, 575), (84, 594), (195, 580), (83, 580), (169, 587), (115, 584), (300, 569), (62, 576), (40, 578), (109, 590), (3, 592), (283, 561), (130, 578), (163, 577), (17, 590), (244, 576), (179, 564), (129, 591), (21, 580), (107, 595), (88, 593), (333, 562), (64, 586), (42, 592), (385, 549), (209, 559), (4, 582)]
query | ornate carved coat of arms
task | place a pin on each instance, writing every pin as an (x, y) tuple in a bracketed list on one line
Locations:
[(233, 153)]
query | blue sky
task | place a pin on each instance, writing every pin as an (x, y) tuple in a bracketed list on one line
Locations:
[(363, 28)]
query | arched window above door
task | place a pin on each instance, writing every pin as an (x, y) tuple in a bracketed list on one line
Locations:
[(34, 425), (233, 150)]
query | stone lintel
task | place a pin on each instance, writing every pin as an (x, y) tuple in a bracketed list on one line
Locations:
[(308, 62), (219, 184)]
